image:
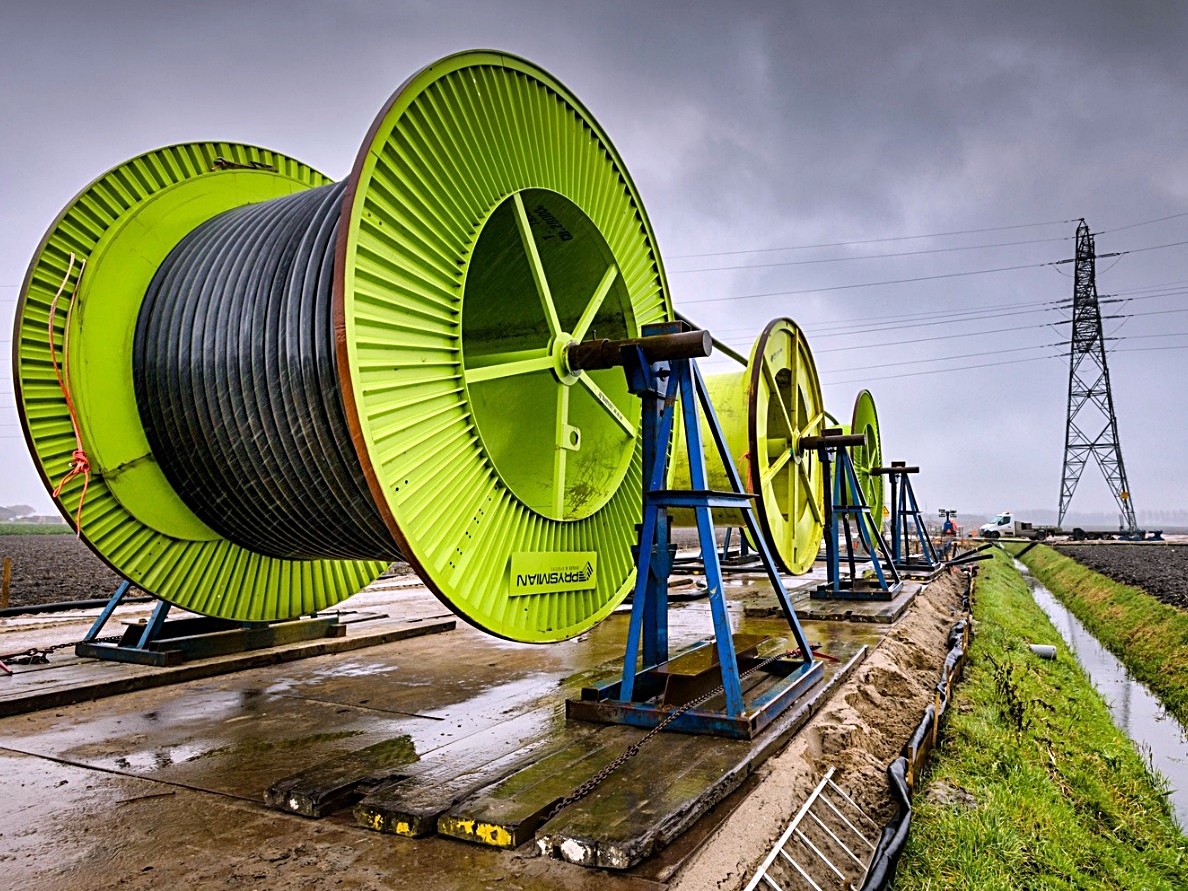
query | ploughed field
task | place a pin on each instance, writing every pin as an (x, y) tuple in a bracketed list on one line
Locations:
[(1159, 569), (54, 568), (57, 567)]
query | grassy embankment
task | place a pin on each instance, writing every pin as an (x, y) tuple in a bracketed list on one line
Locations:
[(1151, 638), (1057, 797), (34, 528)]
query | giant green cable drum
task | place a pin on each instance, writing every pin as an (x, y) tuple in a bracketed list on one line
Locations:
[(869, 455), (487, 224), (764, 412)]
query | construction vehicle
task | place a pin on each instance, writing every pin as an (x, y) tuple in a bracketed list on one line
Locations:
[(1006, 525)]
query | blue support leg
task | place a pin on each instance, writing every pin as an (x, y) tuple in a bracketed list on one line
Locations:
[(705, 530), (153, 626), (115, 601)]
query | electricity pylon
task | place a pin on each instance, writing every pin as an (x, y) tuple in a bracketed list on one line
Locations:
[(1092, 429)]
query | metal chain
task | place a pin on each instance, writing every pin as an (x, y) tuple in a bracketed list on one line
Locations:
[(632, 750), (40, 655)]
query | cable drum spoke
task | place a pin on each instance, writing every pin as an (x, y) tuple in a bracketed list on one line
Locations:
[(507, 365), (537, 268), (809, 485), (770, 473), (605, 401), (770, 374), (543, 278), (562, 450), (583, 326)]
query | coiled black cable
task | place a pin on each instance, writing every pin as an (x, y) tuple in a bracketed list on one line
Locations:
[(237, 385)]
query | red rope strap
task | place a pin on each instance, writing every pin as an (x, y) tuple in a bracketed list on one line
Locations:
[(79, 464)]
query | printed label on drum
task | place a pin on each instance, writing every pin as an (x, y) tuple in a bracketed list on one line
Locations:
[(539, 572)]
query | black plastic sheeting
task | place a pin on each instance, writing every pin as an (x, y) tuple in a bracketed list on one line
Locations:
[(880, 876), (237, 385), (895, 834)]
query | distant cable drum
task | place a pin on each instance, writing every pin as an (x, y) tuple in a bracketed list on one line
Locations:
[(236, 381)]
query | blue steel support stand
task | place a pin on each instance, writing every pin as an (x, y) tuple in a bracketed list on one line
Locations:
[(846, 500), (906, 522), (158, 642), (650, 688)]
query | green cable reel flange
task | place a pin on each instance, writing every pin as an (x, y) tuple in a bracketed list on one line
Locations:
[(764, 411), (487, 223), (865, 420)]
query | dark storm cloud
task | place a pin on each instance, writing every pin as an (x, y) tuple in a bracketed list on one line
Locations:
[(745, 126)]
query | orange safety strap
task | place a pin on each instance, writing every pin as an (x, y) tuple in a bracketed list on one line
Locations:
[(79, 464)]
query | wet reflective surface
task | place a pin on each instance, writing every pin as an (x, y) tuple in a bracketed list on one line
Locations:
[(164, 787), (1136, 711)]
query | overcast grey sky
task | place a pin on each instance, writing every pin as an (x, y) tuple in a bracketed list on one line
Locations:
[(747, 127)]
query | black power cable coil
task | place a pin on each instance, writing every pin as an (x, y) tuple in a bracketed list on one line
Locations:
[(237, 385)]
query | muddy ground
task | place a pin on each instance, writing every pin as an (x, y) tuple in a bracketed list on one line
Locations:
[(1159, 569)]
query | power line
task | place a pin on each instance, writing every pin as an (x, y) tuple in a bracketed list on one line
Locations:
[(1148, 336), (969, 247), (895, 281), (919, 324), (998, 352), (1173, 216), (868, 378), (1153, 247), (1041, 346), (945, 275), (868, 346), (847, 324), (982, 314), (1148, 349), (805, 247)]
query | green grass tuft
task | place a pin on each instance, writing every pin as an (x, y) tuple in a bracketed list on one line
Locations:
[(1062, 799)]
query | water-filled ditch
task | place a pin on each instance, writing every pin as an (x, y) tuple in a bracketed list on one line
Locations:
[(1136, 710)]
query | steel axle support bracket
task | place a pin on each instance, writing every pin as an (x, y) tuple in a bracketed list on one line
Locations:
[(727, 687), (161, 642), (907, 524), (846, 504)]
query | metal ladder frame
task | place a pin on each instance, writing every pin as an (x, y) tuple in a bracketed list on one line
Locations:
[(779, 850)]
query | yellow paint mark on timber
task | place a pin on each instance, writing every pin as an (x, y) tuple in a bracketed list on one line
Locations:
[(487, 833), (374, 821), (494, 835)]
